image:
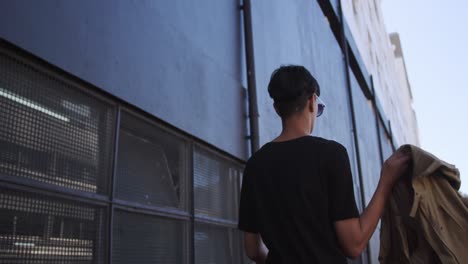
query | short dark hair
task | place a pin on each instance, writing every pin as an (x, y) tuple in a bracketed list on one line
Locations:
[(290, 87)]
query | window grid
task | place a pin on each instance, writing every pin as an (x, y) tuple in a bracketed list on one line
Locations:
[(106, 201), (213, 226)]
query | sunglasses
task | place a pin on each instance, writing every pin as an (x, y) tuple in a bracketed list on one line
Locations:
[(320, 106)]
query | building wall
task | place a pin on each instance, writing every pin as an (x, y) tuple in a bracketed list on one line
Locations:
[(367, 25), (159, 56), (410, 125), (171, 76)]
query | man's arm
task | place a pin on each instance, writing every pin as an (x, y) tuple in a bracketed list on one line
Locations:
[(248, 222), (354, 234), (255, 248)]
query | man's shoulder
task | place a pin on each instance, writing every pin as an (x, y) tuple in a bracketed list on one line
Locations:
[(329, 149), (327, 143), (312, 142)]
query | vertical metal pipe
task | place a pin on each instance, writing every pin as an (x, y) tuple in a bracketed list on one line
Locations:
[(351, 104), (251, 80), (377, 121), (112, 185), (191, 226), (391, 135)]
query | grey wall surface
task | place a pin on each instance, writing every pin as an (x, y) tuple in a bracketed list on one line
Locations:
[(178, 60)]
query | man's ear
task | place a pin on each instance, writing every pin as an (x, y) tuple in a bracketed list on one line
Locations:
[(311, 103)]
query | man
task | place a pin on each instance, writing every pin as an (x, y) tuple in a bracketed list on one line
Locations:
[(297, 200)]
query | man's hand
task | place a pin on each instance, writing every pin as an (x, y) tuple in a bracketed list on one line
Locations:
[(394, 167)]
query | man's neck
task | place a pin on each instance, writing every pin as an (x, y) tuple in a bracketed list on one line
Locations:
[(292, 130)]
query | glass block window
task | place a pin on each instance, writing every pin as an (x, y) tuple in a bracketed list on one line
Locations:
[(216, 186), (151, 164), (217, 245), (71, 193), (52, 132), (140, 238), (40, 229)]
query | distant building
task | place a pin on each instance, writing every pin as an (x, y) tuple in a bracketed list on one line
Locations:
[(383, 56)]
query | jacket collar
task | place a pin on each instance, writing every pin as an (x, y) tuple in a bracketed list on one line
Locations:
[(425, 163)]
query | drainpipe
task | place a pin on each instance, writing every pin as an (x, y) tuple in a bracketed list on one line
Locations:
[(251, 80), (344, 43), (377, 121), (351, 104)]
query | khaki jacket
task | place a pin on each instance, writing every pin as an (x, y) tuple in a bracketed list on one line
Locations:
[(426, 219)]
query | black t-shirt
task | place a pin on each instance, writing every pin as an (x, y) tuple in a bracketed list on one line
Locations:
[(292, 192)]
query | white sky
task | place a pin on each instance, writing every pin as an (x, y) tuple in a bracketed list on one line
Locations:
[(435, 45)]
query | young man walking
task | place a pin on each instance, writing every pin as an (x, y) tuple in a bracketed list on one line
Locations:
[(297, 200)]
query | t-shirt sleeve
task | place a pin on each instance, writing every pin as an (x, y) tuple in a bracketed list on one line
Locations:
[(248, 221), (342, 204)]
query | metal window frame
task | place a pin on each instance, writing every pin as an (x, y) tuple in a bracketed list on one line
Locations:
[(22, 57), (214, 221), (32, 186), (112, 185), (182, 215), (179, 136), (216, 154)]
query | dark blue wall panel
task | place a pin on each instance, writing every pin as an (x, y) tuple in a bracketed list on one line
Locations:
[(387, 149), (298, 33), (178, 60)]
